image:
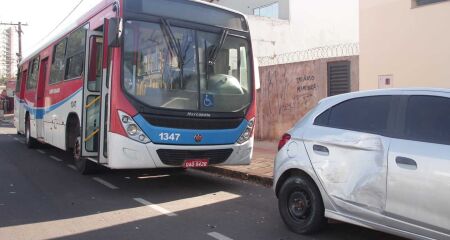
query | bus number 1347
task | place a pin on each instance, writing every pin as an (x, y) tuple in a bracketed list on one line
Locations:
[(169, 136)]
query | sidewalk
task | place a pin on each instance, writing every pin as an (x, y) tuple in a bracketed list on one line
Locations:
[(7, 118), (261, 168)]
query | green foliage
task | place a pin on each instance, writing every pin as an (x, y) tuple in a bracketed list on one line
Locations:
[(3, 80)]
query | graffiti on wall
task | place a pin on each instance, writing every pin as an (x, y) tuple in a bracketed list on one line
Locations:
[(278, 88), (289, 91), (285, 96), (305, 87)]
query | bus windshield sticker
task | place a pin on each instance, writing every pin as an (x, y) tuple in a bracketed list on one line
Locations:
[(208, 100)]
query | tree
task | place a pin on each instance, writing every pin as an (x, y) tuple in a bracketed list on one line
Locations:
[(3, 80)]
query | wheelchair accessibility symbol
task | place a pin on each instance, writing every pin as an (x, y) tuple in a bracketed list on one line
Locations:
[(208, 100)]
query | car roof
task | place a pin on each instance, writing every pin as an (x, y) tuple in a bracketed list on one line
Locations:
[(390, 91)]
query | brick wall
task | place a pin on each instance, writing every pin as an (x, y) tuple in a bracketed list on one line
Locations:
[(289, 91)]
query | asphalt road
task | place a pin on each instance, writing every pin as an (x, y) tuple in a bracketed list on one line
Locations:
[(43, 197)]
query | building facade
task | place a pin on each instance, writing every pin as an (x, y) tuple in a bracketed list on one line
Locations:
[(285, 26), (8, 57), (307, 50), (404, 43)]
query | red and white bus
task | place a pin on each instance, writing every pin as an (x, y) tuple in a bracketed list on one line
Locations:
[(143, 84)]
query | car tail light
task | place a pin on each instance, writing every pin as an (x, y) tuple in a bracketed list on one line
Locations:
[(284, 139)]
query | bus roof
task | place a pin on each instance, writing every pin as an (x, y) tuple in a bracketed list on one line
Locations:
[(85, 15)]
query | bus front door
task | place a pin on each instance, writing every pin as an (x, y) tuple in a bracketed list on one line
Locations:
[(40, 99), (92, 88)]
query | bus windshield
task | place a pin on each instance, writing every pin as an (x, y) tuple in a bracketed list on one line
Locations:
[(185, 69)]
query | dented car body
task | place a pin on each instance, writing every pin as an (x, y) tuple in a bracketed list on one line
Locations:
[(375, 161)]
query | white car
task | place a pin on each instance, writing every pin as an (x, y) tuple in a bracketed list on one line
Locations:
[(379, 159)]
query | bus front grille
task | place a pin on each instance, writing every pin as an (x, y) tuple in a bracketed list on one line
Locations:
[(177, 157), (192, 123)]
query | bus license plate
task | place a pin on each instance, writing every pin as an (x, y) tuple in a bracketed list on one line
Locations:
[(196, 163)]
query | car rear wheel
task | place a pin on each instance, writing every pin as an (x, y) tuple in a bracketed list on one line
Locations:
[(301, 206)]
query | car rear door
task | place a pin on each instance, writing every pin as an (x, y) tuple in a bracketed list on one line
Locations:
[(348, 150), (419, 167)]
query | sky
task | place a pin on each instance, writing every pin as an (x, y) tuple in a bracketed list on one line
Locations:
[(41, 16)]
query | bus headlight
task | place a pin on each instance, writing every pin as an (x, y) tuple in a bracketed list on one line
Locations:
[(247, 134), (132, 129)]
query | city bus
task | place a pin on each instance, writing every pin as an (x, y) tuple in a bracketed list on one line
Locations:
[(136, 84)]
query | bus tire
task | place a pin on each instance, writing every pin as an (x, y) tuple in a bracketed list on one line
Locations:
[(83, 165), (30, 141)]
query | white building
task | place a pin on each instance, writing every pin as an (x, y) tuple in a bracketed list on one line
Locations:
[(8, 58), (284, 26)]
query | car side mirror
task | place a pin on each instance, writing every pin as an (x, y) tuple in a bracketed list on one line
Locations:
[(114, 32)]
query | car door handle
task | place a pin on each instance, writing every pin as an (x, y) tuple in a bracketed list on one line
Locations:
[(321, 150), (406, 163)]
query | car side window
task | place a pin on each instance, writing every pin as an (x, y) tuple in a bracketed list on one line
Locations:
[(365, 114), (427, 119), (323, 119)]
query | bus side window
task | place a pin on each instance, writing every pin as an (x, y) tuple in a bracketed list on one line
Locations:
[(75, 49), (32, 78), (24, 81), (57, 68), (18, 82), (95, 64)]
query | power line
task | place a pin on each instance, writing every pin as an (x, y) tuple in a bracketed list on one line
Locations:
[(65, 18), (61, 22)]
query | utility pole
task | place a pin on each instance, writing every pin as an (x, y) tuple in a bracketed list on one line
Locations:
[(19, 33)]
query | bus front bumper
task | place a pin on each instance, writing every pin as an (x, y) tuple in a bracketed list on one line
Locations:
[(125, 153)]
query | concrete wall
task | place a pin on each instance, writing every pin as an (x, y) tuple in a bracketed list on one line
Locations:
[(288, 91), (410, 43), (271, 37), (320, 23)]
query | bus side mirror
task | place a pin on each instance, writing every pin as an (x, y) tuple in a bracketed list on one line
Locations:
[(114, 32)]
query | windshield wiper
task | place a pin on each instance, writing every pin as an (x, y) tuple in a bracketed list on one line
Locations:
[(174, 45), (217, 47), (213, 54)]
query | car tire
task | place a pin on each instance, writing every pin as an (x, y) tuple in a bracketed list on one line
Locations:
[(30, 141), (301, 205), (83, 165)]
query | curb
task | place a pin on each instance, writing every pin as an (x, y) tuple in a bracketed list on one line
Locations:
[(261, 180)]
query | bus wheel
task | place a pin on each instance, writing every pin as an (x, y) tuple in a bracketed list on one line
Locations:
[(31, 142), (84, 166)]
